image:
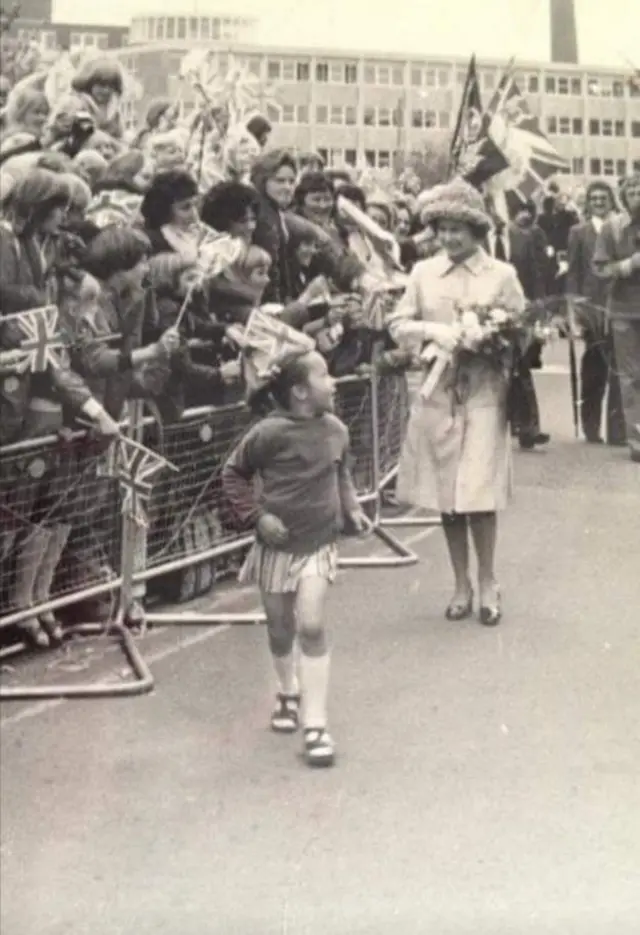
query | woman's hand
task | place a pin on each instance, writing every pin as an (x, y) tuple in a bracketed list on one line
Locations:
[(230, 372), (443, 335), (271, 530), (106, 425), (170, 341)]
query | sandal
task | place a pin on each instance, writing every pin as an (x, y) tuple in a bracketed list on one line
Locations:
[(460, 609), (285, 718), (319, 749)]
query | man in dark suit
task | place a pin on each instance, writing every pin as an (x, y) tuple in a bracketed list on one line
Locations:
[(588, 292), (523, 245)]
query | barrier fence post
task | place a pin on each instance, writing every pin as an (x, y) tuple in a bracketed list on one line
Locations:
[(142, 683)]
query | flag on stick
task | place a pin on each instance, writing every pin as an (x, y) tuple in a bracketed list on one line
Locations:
[(134, 466), (474, 155), (41, 341)]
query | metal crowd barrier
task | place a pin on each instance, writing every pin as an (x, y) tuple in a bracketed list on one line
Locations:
[(52, 491)]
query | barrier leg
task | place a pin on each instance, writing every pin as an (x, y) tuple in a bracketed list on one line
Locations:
[(142, 683), (400, 555)]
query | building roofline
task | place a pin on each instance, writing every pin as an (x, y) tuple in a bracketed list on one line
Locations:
[(247, 48)]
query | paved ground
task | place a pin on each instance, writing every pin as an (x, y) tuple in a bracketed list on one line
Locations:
[(488, 780)]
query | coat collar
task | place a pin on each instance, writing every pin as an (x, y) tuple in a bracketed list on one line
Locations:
[(476, 264)]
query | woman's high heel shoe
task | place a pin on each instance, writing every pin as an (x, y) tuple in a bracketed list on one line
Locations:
[(491, 614), (460, 610), (51, 627), (33, 634)]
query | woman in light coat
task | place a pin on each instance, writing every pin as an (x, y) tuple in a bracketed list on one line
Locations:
[(457, 455)]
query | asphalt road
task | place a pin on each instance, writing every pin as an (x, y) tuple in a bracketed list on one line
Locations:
[(488, 780)]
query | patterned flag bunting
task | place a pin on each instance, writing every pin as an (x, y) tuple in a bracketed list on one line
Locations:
[(41, 341)]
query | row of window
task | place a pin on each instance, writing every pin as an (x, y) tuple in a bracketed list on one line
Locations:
[(187, 27), (47, 39), (613, 168), (341, 116), (574, 126)]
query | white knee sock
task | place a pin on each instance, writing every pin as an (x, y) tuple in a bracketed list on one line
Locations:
[(314, 678), (285, 667)]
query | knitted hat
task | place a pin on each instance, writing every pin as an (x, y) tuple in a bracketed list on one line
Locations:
[(456, 201)]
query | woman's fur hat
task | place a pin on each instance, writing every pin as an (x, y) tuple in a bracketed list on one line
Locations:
[(456, 201)]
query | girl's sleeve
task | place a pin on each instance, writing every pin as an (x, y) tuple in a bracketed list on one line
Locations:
[(238, 474), (348, 494)]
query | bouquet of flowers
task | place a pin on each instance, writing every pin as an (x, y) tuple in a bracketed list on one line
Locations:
[(491, 334)]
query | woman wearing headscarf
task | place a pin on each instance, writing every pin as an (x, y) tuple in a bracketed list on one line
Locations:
[(457, 454)]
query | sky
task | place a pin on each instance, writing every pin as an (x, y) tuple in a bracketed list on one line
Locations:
[(607, 29)]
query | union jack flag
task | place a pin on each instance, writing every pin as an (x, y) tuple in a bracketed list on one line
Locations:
[(41, 341), (133, 466)]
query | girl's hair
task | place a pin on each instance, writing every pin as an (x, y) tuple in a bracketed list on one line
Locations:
[(293, 370), (310, 159), (115, 249), (226, 204), (100, 71), (271, 163), (165, 191), (312, 183), (35, 196), (354, 194), (258, 126), (79, 192), (254, 257), (165, 270), (122, 170), (21, 101), (339, 175)]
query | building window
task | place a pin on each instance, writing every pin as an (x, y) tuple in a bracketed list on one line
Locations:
[(429, 118), (75, 39), (564, 126), (336, 157), (273, 113), (417, 120), (288, 113), (160, 28), (595, 167), (594, 128), (350, 116), (619, 128), (397, 116), (635, 129), (383, 74), (636, 165), (550, 84), (577, 165), (533, 84), (430, 77), (576, 87), (336, 73), (215, 28), (370, 158), (171, 28), (182, 27), (444, 119), (288, 70), (563, 85), (593, 87), (369, 74), (369, 116), (384, 117), (552, 125), (608, 167), (337, 116), (384, 159), (193, 27), (621, 167), (324, 155), (577, 126), (416, 77), (350, 157), (303, 72), (103, 41), (617, 88), (397, 76), (351, 74), (302, 113), (444, 78), (205, 27), (607, 127), (322, 71), (322, 113), (274, 70), (255, 66)]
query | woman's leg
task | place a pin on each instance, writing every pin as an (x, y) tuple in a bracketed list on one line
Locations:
[(484, 528), (455, 528), (314, 668), (30, 553), (58, 536)]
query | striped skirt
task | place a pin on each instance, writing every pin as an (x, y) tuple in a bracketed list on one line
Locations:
[(279, 572)]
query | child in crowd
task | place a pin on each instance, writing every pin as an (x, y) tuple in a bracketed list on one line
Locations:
[(299, 453)]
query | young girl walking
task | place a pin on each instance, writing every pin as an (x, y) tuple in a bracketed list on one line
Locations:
[(299, 456)]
